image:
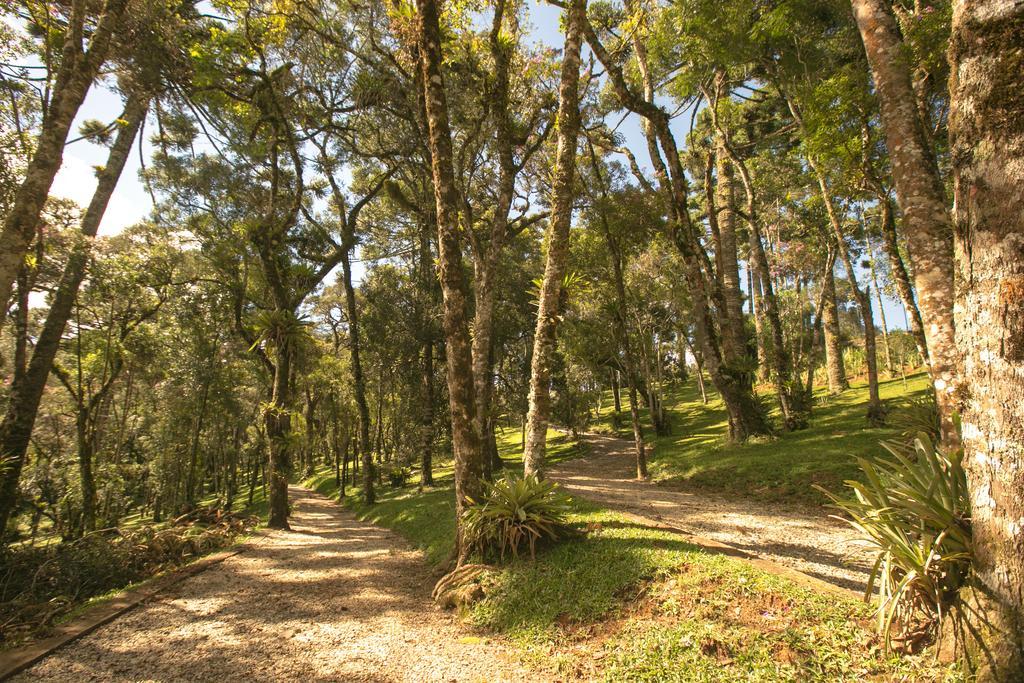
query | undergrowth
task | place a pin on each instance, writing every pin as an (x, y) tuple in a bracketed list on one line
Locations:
[(41, 585)]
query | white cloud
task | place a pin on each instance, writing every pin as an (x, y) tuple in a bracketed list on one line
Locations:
[(76, 181)]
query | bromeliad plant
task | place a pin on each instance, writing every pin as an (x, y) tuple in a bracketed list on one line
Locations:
[(913, 507), (515, 512)]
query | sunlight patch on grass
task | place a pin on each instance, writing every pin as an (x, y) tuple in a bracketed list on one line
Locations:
[(784, 468)]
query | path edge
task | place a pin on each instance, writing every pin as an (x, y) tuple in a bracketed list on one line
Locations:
[(796, 576), (18, 659)]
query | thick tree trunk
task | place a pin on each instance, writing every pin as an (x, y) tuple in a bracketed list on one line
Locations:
[(835, 371), (557, 242), (77, 71), (278, 421), (788, 393), (25, 395), (920, 195), (461, 395), (987, 133), (722, 214)]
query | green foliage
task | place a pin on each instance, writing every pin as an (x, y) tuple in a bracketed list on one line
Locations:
[(515, 512), (918, 415), (914, 508), (397, 476)]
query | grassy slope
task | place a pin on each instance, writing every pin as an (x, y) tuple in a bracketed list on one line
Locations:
[(783, 469), (627, 601)]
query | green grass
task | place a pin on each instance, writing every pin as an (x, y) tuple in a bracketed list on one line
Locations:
[(428, 518), (784, 468), (626, 601)]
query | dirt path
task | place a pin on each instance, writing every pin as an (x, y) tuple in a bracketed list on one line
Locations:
[(805, 540), (335, 599)]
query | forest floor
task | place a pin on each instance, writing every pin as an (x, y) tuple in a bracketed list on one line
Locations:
[(335, 598), (801, 537)]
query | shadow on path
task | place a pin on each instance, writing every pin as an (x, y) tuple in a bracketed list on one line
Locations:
[(336, 599)]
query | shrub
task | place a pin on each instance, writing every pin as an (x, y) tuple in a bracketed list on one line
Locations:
[(516, 511), (38, 584), (397, 476), (914, 509)]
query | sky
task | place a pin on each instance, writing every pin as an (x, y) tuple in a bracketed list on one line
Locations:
[(131, 202)]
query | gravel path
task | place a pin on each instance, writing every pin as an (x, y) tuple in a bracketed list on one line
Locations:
[(335, 599), (804, 539)]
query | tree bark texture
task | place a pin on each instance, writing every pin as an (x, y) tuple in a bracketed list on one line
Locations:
[(834, 369), (987, 132), (358, 379)]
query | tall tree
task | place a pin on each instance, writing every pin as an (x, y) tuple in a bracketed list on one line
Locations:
[(461, 398), (27, 390), (556, 241), (921, 197)]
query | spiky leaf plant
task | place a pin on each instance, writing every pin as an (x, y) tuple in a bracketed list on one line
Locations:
[(515, 512), (913, 507)]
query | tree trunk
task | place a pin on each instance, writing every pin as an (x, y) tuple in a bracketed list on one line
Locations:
[(817, 330), (488, 255), (900, 276), (461, 398), (86, 479), (881, 308), (310, 410), (920, 195), (427, 417), (278, 421), (734, 337), (616, 394), (987, 134), (78, 69), (358, 379), (557, 243), (622, 326), (745, 415), (876, 412), (835, 371), (23, 404), (787, 392)]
